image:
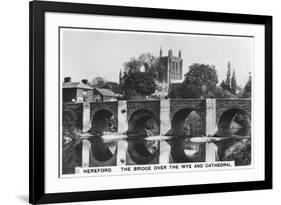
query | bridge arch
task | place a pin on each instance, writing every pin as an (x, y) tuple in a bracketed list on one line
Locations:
[(187, 121), (103, 153), (234, 121), (140, 150), (240, 116), (142, 118), (104, 120)]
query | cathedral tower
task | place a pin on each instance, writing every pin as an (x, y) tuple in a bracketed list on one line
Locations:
[(171, 67)]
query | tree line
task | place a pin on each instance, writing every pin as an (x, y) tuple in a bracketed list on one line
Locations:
[(141, 73)]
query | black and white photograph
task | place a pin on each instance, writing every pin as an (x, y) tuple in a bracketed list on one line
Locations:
[(148, 102), (131, 102)]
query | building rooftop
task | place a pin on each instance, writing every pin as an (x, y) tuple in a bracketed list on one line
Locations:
[(76, 85), (107, 92)]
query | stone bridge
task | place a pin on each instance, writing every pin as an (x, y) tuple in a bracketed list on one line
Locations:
[(167, 112)]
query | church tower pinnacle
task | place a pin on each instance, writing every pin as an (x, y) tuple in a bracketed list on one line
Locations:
[(120, 77), (179, 53), (170, 53)]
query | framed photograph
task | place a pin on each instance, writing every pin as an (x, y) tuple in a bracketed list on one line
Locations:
[(130, 102)]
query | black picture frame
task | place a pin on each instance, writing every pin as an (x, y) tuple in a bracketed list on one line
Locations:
[(37, 10)]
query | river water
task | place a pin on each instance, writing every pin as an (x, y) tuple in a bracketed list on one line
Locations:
[(143, 151)]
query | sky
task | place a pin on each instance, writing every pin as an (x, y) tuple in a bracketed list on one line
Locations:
[(88, 53)]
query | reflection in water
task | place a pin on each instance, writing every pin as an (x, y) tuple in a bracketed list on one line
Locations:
[(182, 150), (140, 150), (143, 151), (238, 150), (186, 125), (103, 150), (72, 147)]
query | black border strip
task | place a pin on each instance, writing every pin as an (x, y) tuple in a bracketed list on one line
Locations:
[(268, 101), (37, 100), (59, 103), (79, 8)]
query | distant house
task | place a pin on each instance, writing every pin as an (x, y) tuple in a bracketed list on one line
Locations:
[(76, 91), (102, 94)]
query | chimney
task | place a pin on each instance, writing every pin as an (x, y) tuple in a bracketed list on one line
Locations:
[(67, 79), (85, 81)]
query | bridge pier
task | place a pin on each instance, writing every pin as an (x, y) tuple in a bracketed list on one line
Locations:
[(165, 127), (122, 116), (165, 150), (165, 121), (85, 153), (86, 115), (122, 145), (85, 156), (210, 123)]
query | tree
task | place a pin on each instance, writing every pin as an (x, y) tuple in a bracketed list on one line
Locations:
[(227, 81), (233, 83), (136, 82), (147, 60), (98, 82), (185, 91), (239, 91), (224, 86), (228, 88), (175, 91), (190, 91), (201, 79), (133, 65), (248, 88), (113, 86), (224, 93)]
